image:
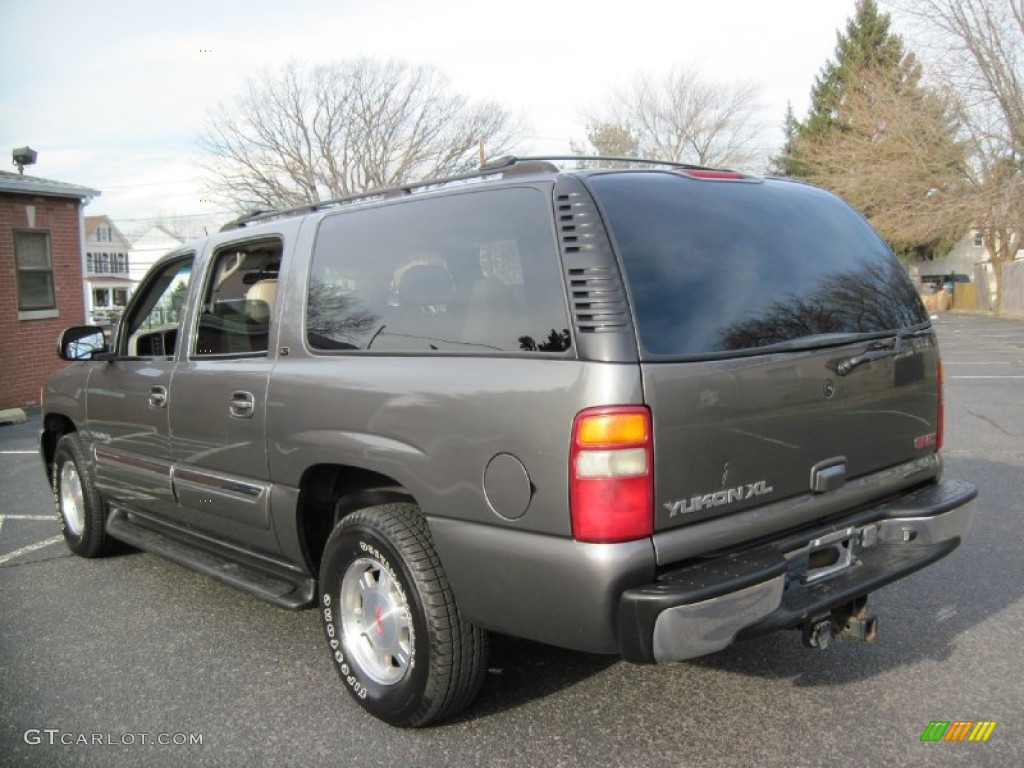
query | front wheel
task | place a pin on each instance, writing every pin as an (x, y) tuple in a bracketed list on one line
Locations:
[(397, 639), (79, 506)]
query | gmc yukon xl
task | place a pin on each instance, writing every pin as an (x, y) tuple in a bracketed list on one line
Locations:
[(645, 411)]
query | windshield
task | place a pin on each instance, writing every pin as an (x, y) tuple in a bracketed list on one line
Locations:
[(716, 267)]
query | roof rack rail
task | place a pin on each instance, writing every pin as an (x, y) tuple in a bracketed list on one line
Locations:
[(510, 164), (358, 197), (505, 165), (509, 160)]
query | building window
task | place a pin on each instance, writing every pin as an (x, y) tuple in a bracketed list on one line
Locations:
[(979, 240), (100, 297), (102, 234), (120, 297), (35, 271), (88, 262)]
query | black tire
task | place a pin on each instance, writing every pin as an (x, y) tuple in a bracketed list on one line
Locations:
[(415, 660), (79, 506)]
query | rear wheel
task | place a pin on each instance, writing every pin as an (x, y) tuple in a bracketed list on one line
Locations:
[(80, 508), (395, 633)]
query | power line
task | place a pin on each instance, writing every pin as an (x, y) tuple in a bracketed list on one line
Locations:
[(148, 184), (177, 216)]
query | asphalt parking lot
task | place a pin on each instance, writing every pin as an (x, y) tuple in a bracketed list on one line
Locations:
[(140, 659)]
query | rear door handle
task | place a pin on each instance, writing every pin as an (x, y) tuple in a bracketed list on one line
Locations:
[(242, 404), (158, 397)]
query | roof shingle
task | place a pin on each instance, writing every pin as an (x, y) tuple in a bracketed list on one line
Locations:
[(33, 185)]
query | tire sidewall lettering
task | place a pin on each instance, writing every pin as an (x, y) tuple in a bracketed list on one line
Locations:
[(360, 686)]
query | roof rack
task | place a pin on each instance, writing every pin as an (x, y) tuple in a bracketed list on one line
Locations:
[(506, 165), (511, 160), (358, 197)]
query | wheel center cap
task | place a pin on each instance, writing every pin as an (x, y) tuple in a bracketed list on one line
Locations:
[(380, 623)]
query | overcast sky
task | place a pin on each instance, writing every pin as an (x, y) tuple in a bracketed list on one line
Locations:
[(112, 94)]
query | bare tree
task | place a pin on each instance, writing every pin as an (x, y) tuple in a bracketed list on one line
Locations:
[(304, 134), (977, 49), (897, 160), (684, 118)]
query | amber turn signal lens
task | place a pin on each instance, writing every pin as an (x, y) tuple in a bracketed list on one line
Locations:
[(612, 429)]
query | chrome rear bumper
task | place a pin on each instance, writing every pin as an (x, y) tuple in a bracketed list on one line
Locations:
[(702, 608)]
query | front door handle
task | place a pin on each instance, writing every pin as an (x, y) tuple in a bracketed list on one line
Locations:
[(158, 397), (242, 404)]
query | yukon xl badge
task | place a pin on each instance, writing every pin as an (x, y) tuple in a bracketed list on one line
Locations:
[(718, 498)]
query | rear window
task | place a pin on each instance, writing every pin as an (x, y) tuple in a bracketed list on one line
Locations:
[(719, 267)]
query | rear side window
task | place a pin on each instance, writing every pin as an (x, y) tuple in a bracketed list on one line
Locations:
[(469, 272), (718, 267)]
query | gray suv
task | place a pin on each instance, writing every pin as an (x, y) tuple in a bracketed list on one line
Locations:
[(644, 411)]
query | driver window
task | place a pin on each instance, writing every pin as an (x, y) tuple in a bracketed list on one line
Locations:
[(152, 328), (239, 300)]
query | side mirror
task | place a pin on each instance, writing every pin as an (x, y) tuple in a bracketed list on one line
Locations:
[(81, 342)]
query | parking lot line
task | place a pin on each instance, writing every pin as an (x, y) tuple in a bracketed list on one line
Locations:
[(30, 548), (18, 453), (26, 517)]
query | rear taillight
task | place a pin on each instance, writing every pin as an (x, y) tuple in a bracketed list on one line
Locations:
[(611, 474), (940, 418)]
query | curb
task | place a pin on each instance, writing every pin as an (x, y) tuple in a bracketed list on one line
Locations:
[(13, 416)]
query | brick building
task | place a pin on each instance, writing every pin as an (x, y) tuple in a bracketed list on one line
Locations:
[(41, 288)]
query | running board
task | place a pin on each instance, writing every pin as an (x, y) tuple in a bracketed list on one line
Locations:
[(263, 579)]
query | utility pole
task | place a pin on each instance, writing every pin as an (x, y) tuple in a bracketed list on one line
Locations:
[(483, 156)]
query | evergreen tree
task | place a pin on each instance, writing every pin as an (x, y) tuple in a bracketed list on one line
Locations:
[(784, 163), (866, 46), (880, 139)]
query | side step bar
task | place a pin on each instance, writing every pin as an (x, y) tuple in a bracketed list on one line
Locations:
[(265, 579)]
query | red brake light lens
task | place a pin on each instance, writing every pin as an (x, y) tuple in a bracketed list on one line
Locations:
[(704, 173), (611, 474)]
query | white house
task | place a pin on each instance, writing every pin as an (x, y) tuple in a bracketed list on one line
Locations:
[(106, 270)]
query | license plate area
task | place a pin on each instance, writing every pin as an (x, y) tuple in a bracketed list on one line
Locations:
[(825, 556)]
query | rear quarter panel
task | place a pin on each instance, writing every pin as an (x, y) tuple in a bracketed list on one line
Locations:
[(434, 424)]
